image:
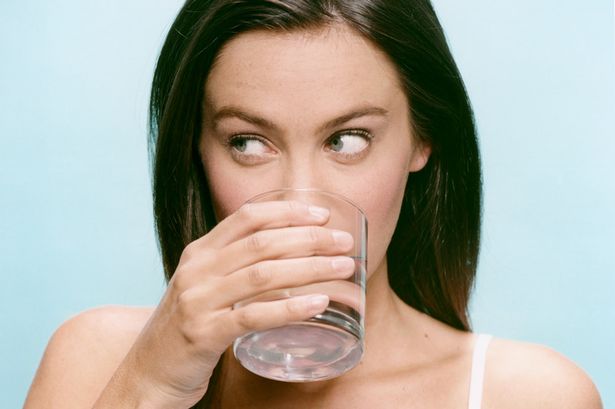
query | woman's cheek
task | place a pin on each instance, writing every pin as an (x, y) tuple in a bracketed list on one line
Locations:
[(228, 191), (382, 205)]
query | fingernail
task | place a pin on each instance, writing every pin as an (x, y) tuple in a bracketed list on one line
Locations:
[(342, 264), (342, 239), (319, 213), (317, 303)]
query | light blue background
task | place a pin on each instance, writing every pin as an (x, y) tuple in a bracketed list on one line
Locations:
[(76, 226)]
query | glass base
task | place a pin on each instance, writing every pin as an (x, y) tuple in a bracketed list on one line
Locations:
[(307, 351)]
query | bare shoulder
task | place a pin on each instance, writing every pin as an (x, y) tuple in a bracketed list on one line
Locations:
[(82, 355), (524, 375)]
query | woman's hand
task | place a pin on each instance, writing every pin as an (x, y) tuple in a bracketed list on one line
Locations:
[(261, 247)]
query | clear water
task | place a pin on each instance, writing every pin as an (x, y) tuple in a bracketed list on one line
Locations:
[(323, 347)]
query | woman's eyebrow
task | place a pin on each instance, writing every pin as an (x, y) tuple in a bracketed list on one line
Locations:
[(236, 112), (353, 114)]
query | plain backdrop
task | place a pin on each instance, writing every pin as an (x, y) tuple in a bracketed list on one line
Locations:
[(76, 227)]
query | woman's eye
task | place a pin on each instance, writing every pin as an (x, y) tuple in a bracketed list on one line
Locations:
[(248, 145), (349, 143)]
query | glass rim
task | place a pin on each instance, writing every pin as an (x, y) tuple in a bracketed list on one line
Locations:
[(308, 190)]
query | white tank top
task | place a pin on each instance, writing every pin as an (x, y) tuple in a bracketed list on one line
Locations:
[(477, 375)]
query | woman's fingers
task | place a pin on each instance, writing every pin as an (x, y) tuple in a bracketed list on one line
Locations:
[(282, 243), (271, 275), (265, 315), (291, 242), (252, 217), (341, 291)]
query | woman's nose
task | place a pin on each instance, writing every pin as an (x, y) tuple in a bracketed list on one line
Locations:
[(303, 174)]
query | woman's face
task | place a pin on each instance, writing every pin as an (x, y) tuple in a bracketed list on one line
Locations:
[(317, 109)]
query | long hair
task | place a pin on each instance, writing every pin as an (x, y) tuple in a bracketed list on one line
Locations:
[(433, 254)]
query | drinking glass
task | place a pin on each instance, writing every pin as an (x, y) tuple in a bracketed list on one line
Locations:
[(328, 344)]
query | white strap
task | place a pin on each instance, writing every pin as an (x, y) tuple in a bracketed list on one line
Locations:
[(478, 371)]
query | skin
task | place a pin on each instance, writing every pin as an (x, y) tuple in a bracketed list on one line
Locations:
[(283, 89)]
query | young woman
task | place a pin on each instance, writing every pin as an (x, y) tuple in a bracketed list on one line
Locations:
[(356, 97)]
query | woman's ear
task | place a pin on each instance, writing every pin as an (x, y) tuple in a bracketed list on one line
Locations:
[(419, 156)]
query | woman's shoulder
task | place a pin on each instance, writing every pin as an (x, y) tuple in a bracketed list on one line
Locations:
[(107, 330), (85, 350), (121, 319), (526, 375)]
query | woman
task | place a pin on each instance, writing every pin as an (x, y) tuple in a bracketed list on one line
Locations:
[(361, 98)]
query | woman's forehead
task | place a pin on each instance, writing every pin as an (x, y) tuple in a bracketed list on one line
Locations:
[(302, 68)]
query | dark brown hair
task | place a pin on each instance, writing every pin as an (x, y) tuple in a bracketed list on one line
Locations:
[(433, 254)]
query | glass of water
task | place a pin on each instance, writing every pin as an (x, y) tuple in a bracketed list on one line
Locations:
[(330, 343)]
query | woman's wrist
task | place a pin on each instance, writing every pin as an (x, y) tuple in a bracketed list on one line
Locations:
[(128, 390)]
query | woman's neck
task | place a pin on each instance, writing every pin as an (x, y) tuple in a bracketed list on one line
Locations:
[(392, 325)]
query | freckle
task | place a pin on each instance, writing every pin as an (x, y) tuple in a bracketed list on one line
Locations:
[(426, 336)]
